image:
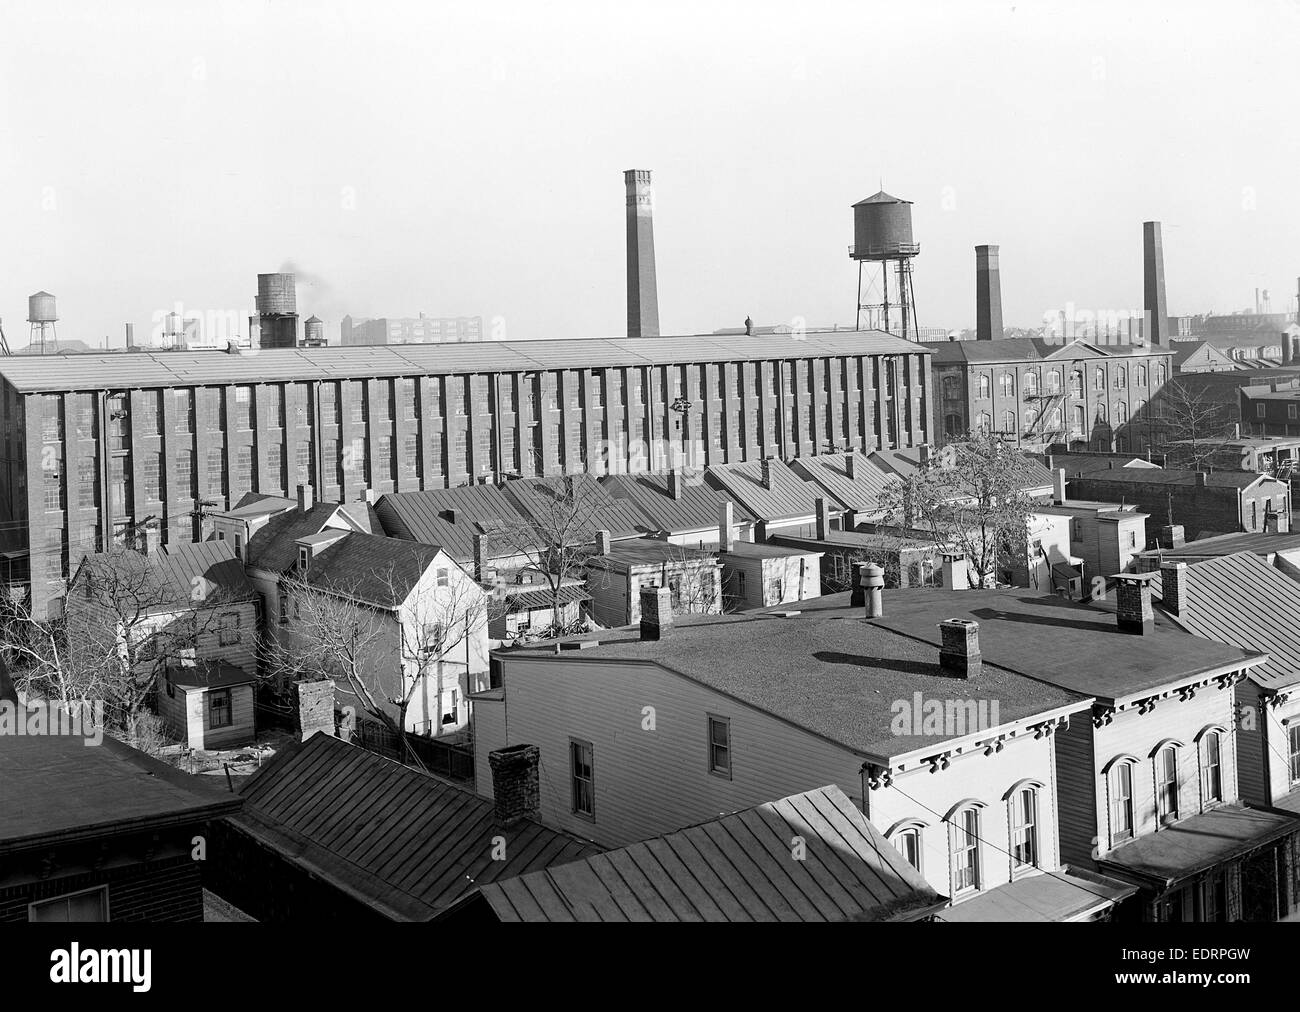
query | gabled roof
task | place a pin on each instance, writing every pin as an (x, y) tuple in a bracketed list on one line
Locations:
[(736, 868), (403, 842), (1034, 349), (175, 577), (830, 471), (789, 497), (256, 504), (450, 517), (697, 509), (535, 498), (370, 568), (646, 552), (1242, 600), (275, 546)]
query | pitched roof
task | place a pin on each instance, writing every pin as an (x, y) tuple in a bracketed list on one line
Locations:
[(1090, 463), (208, 674), (733, 868), (371, 568), (1034, 349), (790, 496), (177, 576), (275, 546), (580, 495), (1242, 600), (1259, 542), (450, 517), (697, 509), (646, 552), (830, 471), (256, 504), (906, 462), (404, 842)]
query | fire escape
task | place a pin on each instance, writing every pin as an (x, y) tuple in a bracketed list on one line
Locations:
[(1046, 402)]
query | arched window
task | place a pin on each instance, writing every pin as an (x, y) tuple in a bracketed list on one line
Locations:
[(1099, 378), (964, 846), (1007, 383), (1053, 381), (906, 838), (1209, 747), (1101, 413), (1160, 374), (1121, 378), (1080, 423), (950, 387), (1008, 421), (1076, 383), (1054, 420), (985, 423), (1022, 822), (985, 384), (1031, 416), (1031, 382), (1141, 375), (952, 426), (1119, 797), (1165, 757), (1121, 413)]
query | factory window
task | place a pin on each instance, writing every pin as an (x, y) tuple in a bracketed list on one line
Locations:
[(1054, 420), (244, 468), (1007, 384), (596, 388), (1031, 416), (1080, 421), (275, 467), (303, 462), (384, 466), (1009, 422), (950, 389), (984, 423), (52, 419), (715, 430), (244, 407), (299, 397), (273, 400), (1141, 377), (357, 401), (1053, 381), (53, 489), (216, 472), (329, 403), (184, 410), (150, 412), (354, 458), (951, 426), (1160, 373), (1101, 413), (1099, 378), (85, 416), (1076, 383), (185, 474), (410, 453), (385, 392), (1031, 383), (87, 484), (436, 461), (985, 385), (151, 469), (1121, 378)]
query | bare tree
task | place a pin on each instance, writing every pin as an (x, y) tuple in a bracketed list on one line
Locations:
[(1192, 425), (970, 498)]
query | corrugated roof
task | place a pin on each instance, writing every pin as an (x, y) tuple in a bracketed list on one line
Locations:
[(409, 844), (736, 868), (1259, 543), (578, 502), (789, 497), (450, 517), (219, 368), (646, 551), (697, 509), (831, 472)]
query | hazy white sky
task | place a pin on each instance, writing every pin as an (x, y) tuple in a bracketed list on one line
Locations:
[(466, 158)]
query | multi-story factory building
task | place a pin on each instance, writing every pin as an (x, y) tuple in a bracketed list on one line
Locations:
[(104, 448)]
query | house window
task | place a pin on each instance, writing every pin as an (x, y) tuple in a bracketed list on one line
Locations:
[(1024, 829), (451, 712), (282, 605), (1211, 770), (443, 578), (720, 746), (1293, 737), (84, 907), (239, 545), (582, 777), (1291, 411), (1121, 802), (1167, 784), (1211, 899), (219, 714), (965, 850), (908, 842), (304, 557), (229, 634), (984, 385), (1259, 410)]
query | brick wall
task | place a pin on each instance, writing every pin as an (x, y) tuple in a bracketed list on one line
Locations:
[(167, 890)]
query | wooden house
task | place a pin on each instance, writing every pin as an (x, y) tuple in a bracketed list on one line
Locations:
[(208, 705)]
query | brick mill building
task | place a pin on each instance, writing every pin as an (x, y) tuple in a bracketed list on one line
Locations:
[(121, 447)]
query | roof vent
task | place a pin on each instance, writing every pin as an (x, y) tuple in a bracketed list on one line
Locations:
[(564, 645)]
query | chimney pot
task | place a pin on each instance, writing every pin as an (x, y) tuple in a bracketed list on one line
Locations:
[(873, 583), (960, 653), (1133, 611), (516, 785), (656, 612)]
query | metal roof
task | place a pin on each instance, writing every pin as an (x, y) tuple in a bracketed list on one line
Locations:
[(407, 842), (113, 370), (697, 509), (831, 472), (789, 497), (451, 517), (1261, 543), (1034, 349), (734, 868), (172, 578)]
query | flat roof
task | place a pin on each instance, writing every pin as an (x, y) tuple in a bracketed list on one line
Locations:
[(33, 374), (1040, 899)]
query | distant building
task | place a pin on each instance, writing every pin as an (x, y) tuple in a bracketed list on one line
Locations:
[(411, 330)]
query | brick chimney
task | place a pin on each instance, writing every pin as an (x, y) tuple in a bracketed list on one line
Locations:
[(822, 514), (988, 295), (725, 521), (602, 542), (1133, 602), (656, 612), (851, 465), (960, 653), (766, 472), (480, 556), (516, 786), (642, 289), (306, 498), (1154, 304), (1172, 536), (675, 483), (873, 584), (1173, 577)]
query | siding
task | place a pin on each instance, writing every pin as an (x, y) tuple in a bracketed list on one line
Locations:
[(1076, 799), (1253, 773)]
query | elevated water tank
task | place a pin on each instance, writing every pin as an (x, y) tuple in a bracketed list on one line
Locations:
[(275, 294), (40, 308), (882, 228)]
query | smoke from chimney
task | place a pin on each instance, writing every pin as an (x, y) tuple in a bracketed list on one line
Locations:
[(988, 295)]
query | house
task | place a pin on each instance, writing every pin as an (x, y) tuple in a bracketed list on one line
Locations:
[(396, 845), (1102, 538), (770, 491), (1148, 778), (460, 521), (528, 604), (422, 618), (769, 574), (737, 868), (1201, 356), (618, 571), (678, 506), (908, 561), (100, 834), (1217, 502), (644, 730), (208, 704)]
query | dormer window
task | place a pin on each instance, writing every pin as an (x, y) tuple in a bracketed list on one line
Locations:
[(304, 557)]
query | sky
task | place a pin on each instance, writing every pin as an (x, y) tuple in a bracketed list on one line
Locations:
[(467, 158)]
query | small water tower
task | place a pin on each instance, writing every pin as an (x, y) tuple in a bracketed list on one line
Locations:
[(42, 315), (882, 240)]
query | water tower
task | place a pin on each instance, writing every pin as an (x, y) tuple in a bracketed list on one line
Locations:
[(42, 315), (882, 241)]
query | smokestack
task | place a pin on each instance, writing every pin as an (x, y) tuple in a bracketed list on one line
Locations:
[(642, 292), (130, 336), (1153, 283), (988, 295), (516, 785)]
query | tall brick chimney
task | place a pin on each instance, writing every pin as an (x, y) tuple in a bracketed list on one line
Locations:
[(656, 612), (1133, 602), (675, 483), (1153, 284), (480, 556), (642, 291), (960, 653), (1173, 575), (988, 295), (516, 786)]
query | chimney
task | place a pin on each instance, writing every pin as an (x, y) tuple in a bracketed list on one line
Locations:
[(960, 653), (656, 612), (873, 583), (924, 454), (305, 498), (766, 470), (1172, 577), (480, 556), (988, 295), (675, 483), (851, 465), (850, 522), (823, 515), (725, 521), (1153, 284), (1286, 348), (602, 542), (130, 336), (956, 571), (642, 293), (749, 327), (1058, 485), (1200, 479), (516, 786), (1172, 536), (1133, 602)]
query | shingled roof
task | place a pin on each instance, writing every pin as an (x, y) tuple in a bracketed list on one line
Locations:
[(737, 868), (370, 568), (275, 546)]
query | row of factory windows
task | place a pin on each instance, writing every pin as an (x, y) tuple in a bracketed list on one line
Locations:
[(1033, 384)]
